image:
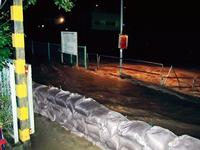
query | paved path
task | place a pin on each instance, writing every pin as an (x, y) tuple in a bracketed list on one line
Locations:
[(50, 136)]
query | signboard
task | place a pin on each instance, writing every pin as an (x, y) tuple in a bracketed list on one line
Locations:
[(105, 21), (69, 42), (123, 41)]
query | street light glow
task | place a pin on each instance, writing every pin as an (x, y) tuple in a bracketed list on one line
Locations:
[(61, 20)]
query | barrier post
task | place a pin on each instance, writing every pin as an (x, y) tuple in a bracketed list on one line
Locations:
[(20, 78), (13, 102)]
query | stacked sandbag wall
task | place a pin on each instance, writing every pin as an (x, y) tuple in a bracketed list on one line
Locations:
[(105, 128)]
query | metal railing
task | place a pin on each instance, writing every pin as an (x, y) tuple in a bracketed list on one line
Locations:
[(46, 52), (163, 75)]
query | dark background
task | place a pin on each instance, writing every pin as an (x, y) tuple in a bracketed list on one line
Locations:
[(162, 32)]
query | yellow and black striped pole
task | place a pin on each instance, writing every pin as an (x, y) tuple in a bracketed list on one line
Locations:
[(20, 78)]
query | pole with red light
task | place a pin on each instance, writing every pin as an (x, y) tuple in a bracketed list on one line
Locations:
[(123, 39), (121, 31)]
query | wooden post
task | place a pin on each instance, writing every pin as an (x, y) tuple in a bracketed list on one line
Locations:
[(20, 78)]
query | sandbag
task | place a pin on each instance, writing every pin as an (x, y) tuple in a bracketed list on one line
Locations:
[(112, 119), (93, 132), (61, 98), (40, 94), (97, 116), (73, 100), (113, 142), (87, 106), (184, 142), (157, 138), (133, 130), (52, 94), (109, 129), (81, 126), (51, 114), (128, 144)]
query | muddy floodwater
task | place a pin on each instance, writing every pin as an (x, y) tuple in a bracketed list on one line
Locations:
[(51, 136), (174, 111)]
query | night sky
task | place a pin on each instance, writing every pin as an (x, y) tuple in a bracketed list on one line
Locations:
[(162, 32)]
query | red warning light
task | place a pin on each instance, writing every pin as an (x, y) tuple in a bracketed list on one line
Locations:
[(123, 41)]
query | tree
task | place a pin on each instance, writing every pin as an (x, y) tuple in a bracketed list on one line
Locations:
[(5, 25)]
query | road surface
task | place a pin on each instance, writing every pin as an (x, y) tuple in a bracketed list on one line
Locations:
[(174, 111)]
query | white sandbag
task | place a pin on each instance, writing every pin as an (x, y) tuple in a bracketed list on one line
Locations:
[(61, 114), (80, 121), (112, 120), (104, 134), (62, 117), (40, 94), (51, 114), (35, 105), (52, 94), (70, 125), (57, 112), (37, 87), (67, 113), (134, 130), (81, 126), (87, 106), (61, 97), (97, 116), (73, 100), (157, 138), (44, 113), (127, 144), (77, 115), (93, 132), (184, 142), (109, 129), (113, 142)]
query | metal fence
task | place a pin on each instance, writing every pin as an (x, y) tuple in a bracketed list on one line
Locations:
[(46, 52), (7, 89), (157, 72)]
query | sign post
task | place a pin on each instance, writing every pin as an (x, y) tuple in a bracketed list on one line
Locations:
[(123, 39), (121, 31)]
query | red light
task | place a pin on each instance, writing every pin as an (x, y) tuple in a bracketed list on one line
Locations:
[(123, 41)]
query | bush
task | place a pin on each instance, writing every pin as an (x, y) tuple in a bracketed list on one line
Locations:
[(5, 112)]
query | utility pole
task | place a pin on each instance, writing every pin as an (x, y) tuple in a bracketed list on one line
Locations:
[(20, 77), (121, 32)]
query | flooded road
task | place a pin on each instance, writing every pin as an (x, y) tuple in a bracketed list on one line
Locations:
[(176, 112), (50, 136)]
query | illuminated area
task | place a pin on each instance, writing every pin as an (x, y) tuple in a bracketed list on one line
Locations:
[(61, 20)]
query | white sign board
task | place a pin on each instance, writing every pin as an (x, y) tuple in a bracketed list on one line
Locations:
[(69, 42)]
